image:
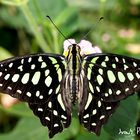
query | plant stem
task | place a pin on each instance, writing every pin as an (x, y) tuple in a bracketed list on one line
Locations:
[(55, 40), (34, 27), (12, 3)]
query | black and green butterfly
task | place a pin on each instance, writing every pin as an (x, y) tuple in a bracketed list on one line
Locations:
[(52, 83)]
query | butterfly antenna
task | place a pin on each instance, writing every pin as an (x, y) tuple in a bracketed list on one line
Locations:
[(92, 28), (57, 28)]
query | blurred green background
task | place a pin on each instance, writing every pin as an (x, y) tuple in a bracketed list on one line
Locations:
[(24, 29)]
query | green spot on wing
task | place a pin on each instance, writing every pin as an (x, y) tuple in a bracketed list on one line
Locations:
[(121, 76), (56, 66), (54, 61), (111, 76), (91, 87), (94, 60), (130, 76), (100, 79), (89, 73)]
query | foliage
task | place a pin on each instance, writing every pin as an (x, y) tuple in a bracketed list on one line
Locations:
[(24, 29)]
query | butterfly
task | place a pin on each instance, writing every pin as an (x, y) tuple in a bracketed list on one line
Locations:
[(51, 84)]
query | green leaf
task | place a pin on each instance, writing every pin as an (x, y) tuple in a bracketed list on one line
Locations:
[(20, 109), (14, 2), (69, 132), (124, 118), (70, 24), (85, 135), (28, 128), (42, 8), (4, 54), (13, 17)]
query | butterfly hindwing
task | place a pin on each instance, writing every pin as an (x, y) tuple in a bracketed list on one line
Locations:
[(32, 78), (97, 113), (52, 114), (112, 77)]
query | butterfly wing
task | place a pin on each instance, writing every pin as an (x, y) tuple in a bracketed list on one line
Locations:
[(31, 78), (113, 77), (110, 78), (37, 79), (52, 114), (97, 113)]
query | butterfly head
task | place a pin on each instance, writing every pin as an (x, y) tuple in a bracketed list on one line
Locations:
[(83, 48)]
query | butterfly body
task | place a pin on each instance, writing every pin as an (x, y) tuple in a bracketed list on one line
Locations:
[(73, 72), (52, 83)]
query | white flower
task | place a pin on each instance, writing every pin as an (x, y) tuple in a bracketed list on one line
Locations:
[(87, 48)]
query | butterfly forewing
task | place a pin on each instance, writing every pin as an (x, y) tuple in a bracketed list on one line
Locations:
[(112, 77), (32, 78)]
